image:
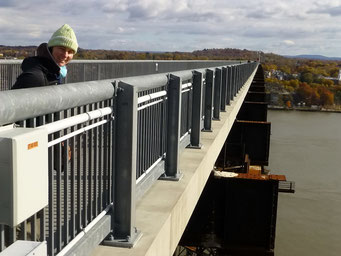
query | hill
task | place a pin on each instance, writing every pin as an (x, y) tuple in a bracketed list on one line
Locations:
[(312, 57)]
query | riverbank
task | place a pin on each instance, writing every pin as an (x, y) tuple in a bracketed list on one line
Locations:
[(309, 109)]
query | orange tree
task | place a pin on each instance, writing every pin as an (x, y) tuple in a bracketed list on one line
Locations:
[(326, 96)]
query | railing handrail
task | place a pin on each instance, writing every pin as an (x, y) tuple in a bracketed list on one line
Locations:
[(22, 104), (16, 105)]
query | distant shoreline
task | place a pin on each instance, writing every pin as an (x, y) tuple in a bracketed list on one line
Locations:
[(271, 107)]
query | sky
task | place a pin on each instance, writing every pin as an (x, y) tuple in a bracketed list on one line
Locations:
[(288, 27)]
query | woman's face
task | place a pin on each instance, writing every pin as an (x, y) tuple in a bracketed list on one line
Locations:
[(62, 55)]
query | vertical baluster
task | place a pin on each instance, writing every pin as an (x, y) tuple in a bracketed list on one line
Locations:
[(42, 232), (106, 160), (100, 166), (51, 206), (138, 149), (95, 168), (22, 230), (143, 143), (73, 182), (190, 105), (149, 133), (65, 164), (80, 153), (182, 113), (58, 165), (152, 138), (162, 126), (111, 155), (85, 176), (90, 170), (41, 120), (33, 222), (155, 132)]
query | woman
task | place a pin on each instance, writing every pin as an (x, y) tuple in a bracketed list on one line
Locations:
[(49, 66)]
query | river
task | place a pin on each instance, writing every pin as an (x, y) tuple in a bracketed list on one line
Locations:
[(306, 147)]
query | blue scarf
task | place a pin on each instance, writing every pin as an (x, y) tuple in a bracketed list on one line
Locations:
[(63, 71), (62, 74)]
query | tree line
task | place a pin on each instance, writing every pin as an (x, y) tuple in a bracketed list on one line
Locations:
[(21, 52)]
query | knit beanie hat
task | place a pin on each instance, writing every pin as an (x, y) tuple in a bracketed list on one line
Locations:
[(64, 36)]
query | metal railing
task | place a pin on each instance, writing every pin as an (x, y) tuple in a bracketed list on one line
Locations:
[(91, 70), (80, 163), (114, 157)]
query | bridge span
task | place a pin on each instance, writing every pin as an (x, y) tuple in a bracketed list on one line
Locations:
[(115, 166)]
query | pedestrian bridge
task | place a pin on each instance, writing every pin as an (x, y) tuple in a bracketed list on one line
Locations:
[(113, 166)]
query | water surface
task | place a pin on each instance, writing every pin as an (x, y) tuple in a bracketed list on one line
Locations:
[(306, 147)]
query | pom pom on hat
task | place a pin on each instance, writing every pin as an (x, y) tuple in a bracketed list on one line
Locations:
[(64, 36)]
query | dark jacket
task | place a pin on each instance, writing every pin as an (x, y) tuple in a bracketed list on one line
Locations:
[(40, 70)]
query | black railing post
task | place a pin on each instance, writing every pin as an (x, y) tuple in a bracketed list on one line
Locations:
[(173, 129), (240, 77), (208, 100), (217, 94), (125, 233), (223, 90), (229, 85), (196, 110), (232, 81), (235, 81)]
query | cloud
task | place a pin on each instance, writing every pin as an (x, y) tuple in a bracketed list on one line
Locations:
[(288, 42), (336, 11), (147, 10), (161, 25)]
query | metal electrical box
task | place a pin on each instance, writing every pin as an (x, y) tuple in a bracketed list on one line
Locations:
[(23, 173)]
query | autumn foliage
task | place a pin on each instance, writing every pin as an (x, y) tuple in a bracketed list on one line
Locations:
[(315, 96), (308, 82)]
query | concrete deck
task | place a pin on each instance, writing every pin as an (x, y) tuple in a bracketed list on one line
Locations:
[(164, 211)]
